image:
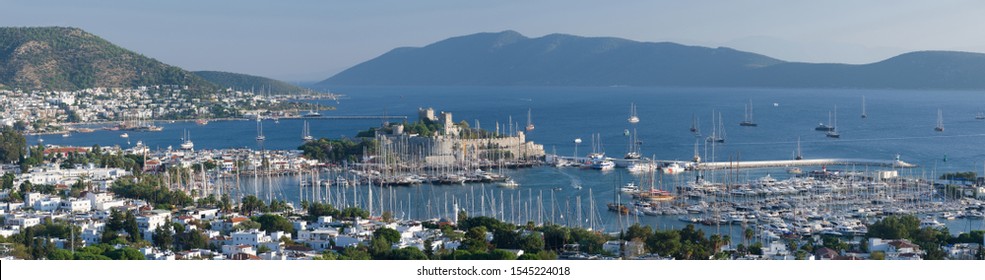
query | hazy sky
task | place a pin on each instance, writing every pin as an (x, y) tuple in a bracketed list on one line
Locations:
[(311, 40)]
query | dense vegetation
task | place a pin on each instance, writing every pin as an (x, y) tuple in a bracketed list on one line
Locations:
[(150, 189), (12, 145), (337, 151), (929, 239), (61, 58)]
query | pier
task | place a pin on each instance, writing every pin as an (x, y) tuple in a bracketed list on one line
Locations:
[(803, 162), (757, 164)]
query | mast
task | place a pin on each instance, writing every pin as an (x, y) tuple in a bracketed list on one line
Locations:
[(864, 115)]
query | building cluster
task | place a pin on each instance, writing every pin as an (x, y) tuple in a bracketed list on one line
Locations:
[(43, 111), (227, 238)]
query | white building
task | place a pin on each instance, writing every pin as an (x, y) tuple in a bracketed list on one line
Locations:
[(147, 222), (76, 205)]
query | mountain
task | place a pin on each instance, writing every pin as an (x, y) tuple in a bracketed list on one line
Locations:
[(248, 82), (64, 58), (510, 59)]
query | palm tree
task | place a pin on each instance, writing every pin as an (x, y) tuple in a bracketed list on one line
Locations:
[(747, 236)]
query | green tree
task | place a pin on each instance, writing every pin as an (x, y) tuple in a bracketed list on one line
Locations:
[(500, 254), (533, 242), (389, 235), (271, 223), (475, 240), (251, 204), (13, 145), (130, 225), (164, 237)]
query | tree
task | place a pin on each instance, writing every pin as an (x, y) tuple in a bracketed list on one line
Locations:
[(408, 253), (164, 237), (638, 232), (533, 242), (475, 240), (429, 248), (125, 253), (130, 225), (12, 145), (500, 254), (877, 255), (252, 204), (387, 217), (387, 234), (271, 223)]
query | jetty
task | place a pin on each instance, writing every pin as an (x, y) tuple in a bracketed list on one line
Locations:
[(752, 164)]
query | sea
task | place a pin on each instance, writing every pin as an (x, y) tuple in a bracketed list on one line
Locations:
[(899, 124)]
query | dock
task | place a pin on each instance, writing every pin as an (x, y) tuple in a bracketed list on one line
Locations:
[(757, 164)]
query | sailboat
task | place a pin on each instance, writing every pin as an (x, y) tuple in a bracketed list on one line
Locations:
[(312, 113), (799, 156), (260, 136), (718, 131), (980, 116), (940, 121), (864, 115), (825, 127), (187, 144), (530, 123), (633, 119), (694, 125), (747, 120), (833, 133), (634, 147), (306, 133)]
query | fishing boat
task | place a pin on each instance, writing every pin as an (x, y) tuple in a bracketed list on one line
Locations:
[(306, 133), (187, 143), (833, 133), (633, 118), (940, 121), (825, 127), (530, 123), (864, 115), (747, 120)]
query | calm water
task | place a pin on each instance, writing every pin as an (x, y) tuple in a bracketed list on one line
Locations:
[(899, 122)]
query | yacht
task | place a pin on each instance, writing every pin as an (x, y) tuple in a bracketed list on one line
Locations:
[(124, 135), (717, 132), (530, 123), (940, 121), (672, 168), (633, 119), (187, 144), (833, 133), (260, 136), (864, 115), (980, 116), (629, 188), (641, 166), (306, 133), (747, 120), (825, 127), (509, 183)]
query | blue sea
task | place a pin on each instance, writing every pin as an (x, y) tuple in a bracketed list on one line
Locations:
[(899, 122)]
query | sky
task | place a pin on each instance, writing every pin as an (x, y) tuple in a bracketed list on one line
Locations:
[(312, 40)]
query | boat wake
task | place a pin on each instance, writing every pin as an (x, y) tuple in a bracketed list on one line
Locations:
[(575, 181)]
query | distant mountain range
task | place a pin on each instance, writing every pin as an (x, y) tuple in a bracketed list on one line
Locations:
[(65, 58), (510, 59)]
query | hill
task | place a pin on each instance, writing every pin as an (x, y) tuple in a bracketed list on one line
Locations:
[(509, 59), (248, 82), (64, 58)]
